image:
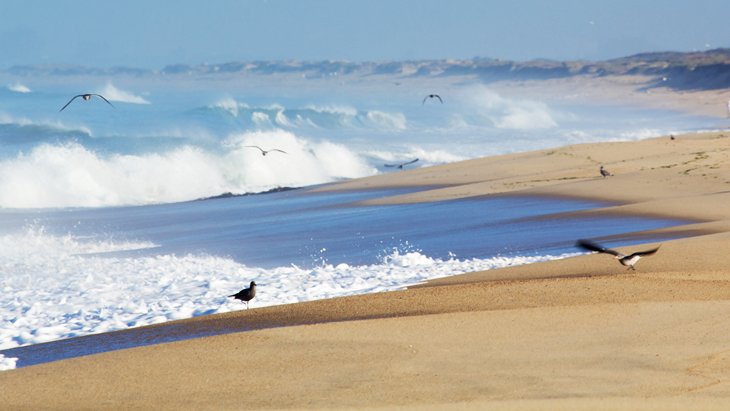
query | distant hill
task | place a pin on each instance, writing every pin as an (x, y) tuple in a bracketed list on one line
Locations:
[(704, 70)]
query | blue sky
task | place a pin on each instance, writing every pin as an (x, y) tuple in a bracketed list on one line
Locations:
[(154, 33)]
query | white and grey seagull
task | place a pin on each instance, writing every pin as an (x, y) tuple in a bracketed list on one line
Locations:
[(86, 97), (265, 152), (627, 260), (400, 165)]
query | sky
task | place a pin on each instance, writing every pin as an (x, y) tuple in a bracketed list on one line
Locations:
[(155, 33)]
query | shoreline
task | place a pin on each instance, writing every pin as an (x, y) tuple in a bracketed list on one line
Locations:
[(213, 324), (575, 332)]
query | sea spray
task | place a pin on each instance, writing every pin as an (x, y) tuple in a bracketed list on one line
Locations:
[(71, 175)]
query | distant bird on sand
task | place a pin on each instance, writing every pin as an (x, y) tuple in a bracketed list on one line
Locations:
[(432, 96), (671, 136), (265, 152), (247, 294), (86, 97), (400, 165), (604, 172), (626, 260)]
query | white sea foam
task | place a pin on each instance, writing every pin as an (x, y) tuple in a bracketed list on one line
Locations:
[(18, 88), (72, 288), (425, 157), (385, 120), (641, 134), (7, 363), (507, 113), (333, 109), (20, 121), (51, 125), (314, 116), (306, 162), (230, 105), (64, 175), (113, 93)]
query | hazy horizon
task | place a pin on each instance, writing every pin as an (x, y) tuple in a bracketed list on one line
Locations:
[(155, 34)]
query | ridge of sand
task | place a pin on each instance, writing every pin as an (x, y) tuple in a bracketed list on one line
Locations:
[(578, 333)]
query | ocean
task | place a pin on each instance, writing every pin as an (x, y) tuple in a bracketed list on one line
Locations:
[(146, 210)]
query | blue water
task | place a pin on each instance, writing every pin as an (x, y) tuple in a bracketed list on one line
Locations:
[(172, 139), (102, 227), (313, 230)]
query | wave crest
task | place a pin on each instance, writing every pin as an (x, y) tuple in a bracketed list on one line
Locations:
[(331, 117), (113, 93), (71, 175), (18, 88), (507, 113)]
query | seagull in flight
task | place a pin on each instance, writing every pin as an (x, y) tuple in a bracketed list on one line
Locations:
[(247, 294), (86, 97), (400, 165), (432, 96), (626, 260), (265, 152)]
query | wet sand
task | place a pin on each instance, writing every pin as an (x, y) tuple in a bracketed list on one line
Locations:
[(578, 333)]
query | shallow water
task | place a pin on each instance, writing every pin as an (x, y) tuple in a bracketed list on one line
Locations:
[(99, 230), (79, 272)]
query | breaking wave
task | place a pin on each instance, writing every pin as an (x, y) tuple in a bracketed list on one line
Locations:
[(321, 117), (113, 93), (18, 88), (69, 174)]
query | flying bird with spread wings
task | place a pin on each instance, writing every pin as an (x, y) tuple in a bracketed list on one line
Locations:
[(626, 260), (265, 152), (432, 96), (86, 97), (400, 165)]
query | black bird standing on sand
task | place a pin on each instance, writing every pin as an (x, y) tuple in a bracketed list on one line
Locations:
[(401, 164), (626, 260), (247, 294), (604, 172), (432, 96), (265, 152), (86, 97)]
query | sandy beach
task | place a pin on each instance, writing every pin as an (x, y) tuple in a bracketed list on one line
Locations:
[(573, 334)]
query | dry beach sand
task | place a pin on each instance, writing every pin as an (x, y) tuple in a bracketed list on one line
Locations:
[(579, 333)]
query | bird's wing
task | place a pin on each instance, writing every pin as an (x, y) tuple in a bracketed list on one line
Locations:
[(390, 165), (410, 162), (69, 102), (647, 252), (424, 100), (276, 149), (262, 150), (438, 97), (591, 246), (104, 98)]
